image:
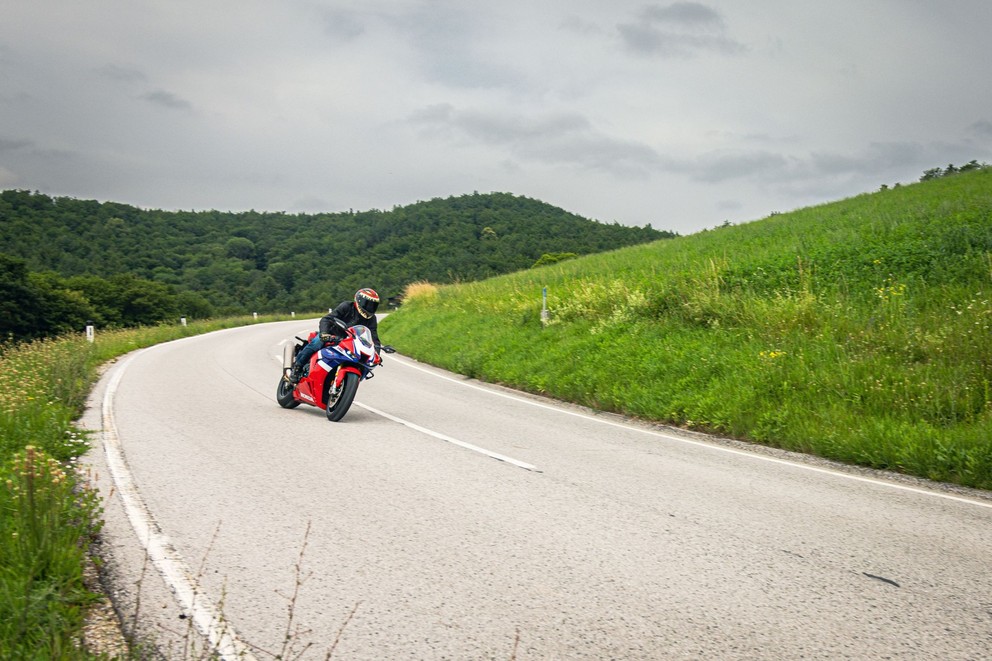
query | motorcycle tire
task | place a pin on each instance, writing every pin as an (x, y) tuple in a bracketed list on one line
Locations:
[(337, 408), (284, 395)]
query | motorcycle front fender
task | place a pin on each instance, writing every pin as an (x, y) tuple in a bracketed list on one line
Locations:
[(345, 369)]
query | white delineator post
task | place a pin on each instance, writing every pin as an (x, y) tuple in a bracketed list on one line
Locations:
[(544, 306)]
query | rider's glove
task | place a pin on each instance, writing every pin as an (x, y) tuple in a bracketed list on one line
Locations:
[(326, 337)]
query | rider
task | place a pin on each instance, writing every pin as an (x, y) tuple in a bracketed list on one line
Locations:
[(360, 311)]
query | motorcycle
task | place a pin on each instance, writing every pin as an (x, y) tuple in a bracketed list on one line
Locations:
[(331, 378)]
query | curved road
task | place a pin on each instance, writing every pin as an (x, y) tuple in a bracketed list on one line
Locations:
[(448, 519)]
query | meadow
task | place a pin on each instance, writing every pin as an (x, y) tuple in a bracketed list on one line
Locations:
[(859, 331), (49, 515)]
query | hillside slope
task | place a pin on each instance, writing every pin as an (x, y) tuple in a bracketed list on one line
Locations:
[(859, 330)]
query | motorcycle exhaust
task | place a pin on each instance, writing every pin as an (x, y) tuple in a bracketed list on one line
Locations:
[(288, 356)]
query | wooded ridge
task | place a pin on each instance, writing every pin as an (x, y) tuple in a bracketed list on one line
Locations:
[(64, 261)]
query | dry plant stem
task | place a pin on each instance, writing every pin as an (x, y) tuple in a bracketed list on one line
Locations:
[(188, 642), (291, 635), (137, 596), (337, 639)]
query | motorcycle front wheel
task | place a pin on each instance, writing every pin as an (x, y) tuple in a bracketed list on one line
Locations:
[(284, 395), (338, 406)]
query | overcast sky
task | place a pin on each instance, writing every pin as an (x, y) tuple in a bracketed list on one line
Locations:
[(682, 115)]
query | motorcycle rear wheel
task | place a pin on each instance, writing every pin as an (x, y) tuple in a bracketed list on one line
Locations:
[(284, 395), (339, 406)]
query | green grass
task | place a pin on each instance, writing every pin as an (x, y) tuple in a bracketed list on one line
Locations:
[(48, 513), (859, 331)]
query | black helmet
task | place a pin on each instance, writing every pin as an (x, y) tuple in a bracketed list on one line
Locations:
[(366, 302)]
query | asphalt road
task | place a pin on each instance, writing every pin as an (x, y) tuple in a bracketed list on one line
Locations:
[(448, 519)]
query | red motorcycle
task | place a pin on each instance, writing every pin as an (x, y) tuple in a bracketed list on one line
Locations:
[(331, 379)]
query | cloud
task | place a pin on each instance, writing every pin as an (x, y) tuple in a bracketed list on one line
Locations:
[(877, 157), (721, 166), (167, 100), (7, 178), (691, 14), (342, 25), (683, 29), (7, 144), (823, 174), (553, 138), (454, 49), (121, 74), (982, 128)]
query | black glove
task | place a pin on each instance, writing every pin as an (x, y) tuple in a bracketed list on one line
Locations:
[(326, 337)]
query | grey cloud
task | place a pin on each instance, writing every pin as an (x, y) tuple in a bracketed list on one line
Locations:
[(881, 160), (561, 139), (342, 25), (121, 74), (878, 157), (449, 48), (7, 144), (8, 177), (718, 167), (683, 29), (646, 40), (690, 14), (982, 128), (167, 100), (578, 25)]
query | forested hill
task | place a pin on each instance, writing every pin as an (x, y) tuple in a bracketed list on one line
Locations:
[(226, 262)]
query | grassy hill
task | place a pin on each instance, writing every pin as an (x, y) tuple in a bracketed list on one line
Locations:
[(859, 331)]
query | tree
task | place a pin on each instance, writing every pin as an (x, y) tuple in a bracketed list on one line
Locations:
[(240, 248), (19, 301)]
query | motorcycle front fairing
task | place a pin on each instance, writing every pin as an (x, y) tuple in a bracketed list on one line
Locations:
[(358, 349), (355, 353)]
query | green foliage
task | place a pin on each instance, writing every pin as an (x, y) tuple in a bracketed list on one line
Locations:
[(859, 330), (208, 262), (935, 173), (553, 258), (47, 519), (45, 304), (48, 512)]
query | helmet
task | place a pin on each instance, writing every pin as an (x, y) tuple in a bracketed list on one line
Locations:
[(366, 302)]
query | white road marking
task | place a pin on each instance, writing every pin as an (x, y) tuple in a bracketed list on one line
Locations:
[(711, 446), (157, 545), (449, 439)]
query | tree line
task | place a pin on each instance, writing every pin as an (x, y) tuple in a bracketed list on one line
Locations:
[(951, 169), (65, 261)]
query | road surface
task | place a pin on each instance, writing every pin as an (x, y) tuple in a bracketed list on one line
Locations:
[(448, 519)]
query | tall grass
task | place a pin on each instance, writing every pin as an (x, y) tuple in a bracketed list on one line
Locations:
[(49, 515), (859, 331)]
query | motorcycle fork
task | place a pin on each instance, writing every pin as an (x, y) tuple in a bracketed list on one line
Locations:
[(336, 382)]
